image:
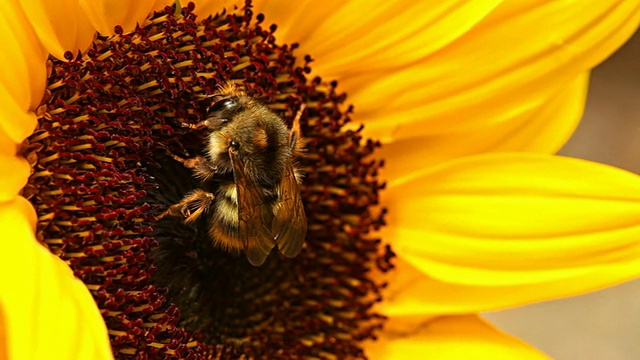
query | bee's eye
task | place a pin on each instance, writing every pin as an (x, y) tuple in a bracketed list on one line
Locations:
[(221, 112), (234, 145), (223, 105)]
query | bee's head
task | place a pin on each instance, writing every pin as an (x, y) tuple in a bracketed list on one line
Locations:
[(221, 121), (222, 111), (228, 102), (254, 135)]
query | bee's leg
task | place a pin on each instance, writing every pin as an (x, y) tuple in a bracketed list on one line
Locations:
[(188, 163), (204, 170), (201, 166), (296, 143), (197, 126), (191, 206), (173, 210), (198, 202)]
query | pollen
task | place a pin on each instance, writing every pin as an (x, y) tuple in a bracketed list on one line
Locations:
[(101, 174)]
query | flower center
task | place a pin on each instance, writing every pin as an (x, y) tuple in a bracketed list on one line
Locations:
[(102, 174)]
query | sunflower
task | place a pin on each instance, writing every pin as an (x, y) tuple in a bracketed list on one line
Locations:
[(468, 101)]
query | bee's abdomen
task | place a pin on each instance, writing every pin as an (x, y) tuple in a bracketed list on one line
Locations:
[(226, 206), (224, 227)]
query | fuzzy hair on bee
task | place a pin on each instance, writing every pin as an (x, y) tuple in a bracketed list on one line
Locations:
[(252, 154)]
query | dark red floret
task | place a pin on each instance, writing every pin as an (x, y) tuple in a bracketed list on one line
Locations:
[(101, 175)]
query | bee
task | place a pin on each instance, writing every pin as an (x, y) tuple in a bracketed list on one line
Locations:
[(252, 155)]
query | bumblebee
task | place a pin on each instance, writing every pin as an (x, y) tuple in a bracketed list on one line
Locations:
[(250, 151)]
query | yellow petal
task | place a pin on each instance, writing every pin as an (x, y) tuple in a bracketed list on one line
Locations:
[(160, 4), (16, 123), (60, 25), (366, 35), (544, 131), (512, 219), (411, 292), (22, 58), (505, 67), (105, 14), (46, 310), (209, 7), (447, 338), (4, 352), (15, 172)]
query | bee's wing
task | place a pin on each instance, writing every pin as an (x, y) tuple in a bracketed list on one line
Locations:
[(253, 215), (290, 222)]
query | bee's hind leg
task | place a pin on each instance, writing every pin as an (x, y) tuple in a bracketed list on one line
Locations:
[(190, 207)]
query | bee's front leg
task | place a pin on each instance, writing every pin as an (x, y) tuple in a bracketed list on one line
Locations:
[(191, 206), (201, 166), (197, 126)]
